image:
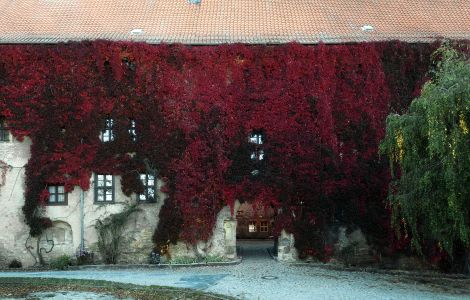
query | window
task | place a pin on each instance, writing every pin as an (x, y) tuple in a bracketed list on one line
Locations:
[(263, 226), (104, 188), (252, 227), (132, 130), (107, 134), (4, 134), (149, 183), (256, 139), (57, 195), (257, 155)]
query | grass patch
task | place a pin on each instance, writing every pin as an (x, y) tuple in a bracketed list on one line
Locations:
[(14, 287)]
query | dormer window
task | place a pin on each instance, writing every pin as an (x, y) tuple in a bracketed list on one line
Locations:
[(4, 133), (132, 130), (107, 134)]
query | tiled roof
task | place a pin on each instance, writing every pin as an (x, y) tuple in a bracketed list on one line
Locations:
[(233, 21)]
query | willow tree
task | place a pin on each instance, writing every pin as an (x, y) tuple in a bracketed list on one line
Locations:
[(429, 151)]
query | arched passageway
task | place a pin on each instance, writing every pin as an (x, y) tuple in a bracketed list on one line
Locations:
[(255, 239)]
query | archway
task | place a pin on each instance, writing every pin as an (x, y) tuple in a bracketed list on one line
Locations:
[(254, 231)]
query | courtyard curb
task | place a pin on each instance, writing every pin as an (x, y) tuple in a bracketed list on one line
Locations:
[(128, 266), (393, 272)]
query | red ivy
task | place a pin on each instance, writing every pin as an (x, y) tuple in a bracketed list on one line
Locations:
[(321, 109)]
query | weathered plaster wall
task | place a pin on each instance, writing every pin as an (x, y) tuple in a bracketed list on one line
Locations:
[(14, 232), (139, 230), (65, 233)]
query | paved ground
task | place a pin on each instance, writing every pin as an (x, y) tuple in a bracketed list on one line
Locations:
[(246, 281)]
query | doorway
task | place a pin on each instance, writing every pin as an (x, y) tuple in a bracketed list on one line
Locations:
[(254, 231)]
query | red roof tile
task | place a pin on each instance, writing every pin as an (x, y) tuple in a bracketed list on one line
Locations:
[(232, 21)]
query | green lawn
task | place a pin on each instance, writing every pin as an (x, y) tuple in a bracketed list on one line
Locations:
[(21, 287)]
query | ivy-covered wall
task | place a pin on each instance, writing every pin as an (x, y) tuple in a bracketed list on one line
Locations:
[(320, 110)]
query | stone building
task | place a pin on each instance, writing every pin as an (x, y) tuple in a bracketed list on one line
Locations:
[(206, 22)]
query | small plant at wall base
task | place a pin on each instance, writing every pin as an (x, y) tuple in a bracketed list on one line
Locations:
[(111, 232), (429, 152), (61, 263)]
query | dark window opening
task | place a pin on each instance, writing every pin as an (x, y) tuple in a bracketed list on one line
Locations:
[(132, 130)]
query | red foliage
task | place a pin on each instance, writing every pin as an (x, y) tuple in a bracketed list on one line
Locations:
[(321, 109)]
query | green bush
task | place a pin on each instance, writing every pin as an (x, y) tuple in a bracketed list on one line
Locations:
[(61, 263)]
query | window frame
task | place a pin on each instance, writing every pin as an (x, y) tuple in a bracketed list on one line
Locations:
[(132, 130), (257, 141), (56, 193), (4, 131), (107, 133), (104, 187), (147, 187), (255, 227), (264, 228)]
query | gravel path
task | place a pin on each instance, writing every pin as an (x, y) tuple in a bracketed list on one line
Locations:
[(246, 281)]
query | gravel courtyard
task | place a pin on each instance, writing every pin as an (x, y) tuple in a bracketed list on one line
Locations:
[(245, 281)]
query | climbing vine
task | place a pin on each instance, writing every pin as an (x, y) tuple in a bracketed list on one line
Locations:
[(4, 168), (321, 110)]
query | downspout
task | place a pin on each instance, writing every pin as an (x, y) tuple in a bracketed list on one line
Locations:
[(82, 222), (82, 216)]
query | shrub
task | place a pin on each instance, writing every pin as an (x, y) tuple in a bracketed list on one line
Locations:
[(61, 263)]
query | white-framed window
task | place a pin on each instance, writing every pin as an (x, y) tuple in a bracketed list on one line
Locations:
[(107, 134), (132, 130), (4, 132), (57, 195), (150, 183), (104, 188)]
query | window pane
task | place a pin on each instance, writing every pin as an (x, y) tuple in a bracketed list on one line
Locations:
[(51, 189), (60, 189), (142, 177), (109, 195), (150, 182), (52, 198), (151, 177), (261, 155), (142, 197), (61, 198), (151, 192), (100, 195)]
